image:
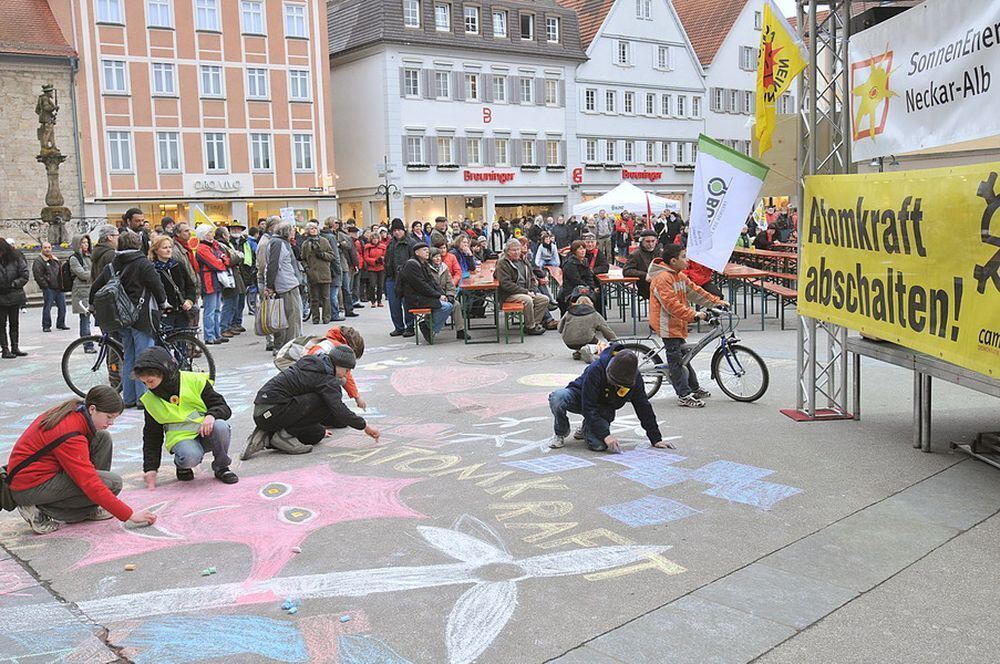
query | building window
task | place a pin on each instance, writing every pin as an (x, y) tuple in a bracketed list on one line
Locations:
[(472, 87), (694, 152), (527, 26), (629, 152), (734, 102), (499, 88), (206, 15), (590, 99), (442, 16), (552, 154), (590, 150), (114, 76), (650, 152), (163, 78), (411, 82), (629, 105), (500, 24), (609, 101), (256, 83), (695, 107), (168, 151), (679, 159), (295, 20), (528, 152), (260, 152), (717, 100), (415, 150), (681, 106), (757, 21), (442, 84), (609, 151), (502, 146), (158, 14), (211, 81), (663, 57), (527, 90), (551, 92), (298, 84), (665, 152), (666, 105), (474, 151), (552, 29), (623, 52), (748, 58), (471, 20), (302, 146), (110, 11), (650, 103), (445, 152), (748, 102), (411, 15), (253, 17), (120, 151), (643, 9), (215, 152)]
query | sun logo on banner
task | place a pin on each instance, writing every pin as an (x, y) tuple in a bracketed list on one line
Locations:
[(870, 98)]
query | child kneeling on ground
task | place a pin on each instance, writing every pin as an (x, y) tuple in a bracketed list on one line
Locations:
[(186, 415), (579, 327)]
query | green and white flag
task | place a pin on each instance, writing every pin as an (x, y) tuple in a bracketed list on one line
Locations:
[(726, 186)]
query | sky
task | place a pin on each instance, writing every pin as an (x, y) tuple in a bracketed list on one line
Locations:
[(786, 6)]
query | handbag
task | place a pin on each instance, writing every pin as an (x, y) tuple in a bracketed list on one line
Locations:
[(226, 279), (270, 316)]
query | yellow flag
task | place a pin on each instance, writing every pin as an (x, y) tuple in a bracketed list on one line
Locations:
[(199, 217), (781, 58)]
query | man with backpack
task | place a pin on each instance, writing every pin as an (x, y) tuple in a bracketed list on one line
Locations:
[(47, 271)]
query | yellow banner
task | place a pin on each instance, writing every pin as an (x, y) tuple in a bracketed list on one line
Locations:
[(780, 60), (908, 257)]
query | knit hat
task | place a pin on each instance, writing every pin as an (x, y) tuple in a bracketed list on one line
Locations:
[(343, 356), (622, 368), (649, 232), (397, 224)]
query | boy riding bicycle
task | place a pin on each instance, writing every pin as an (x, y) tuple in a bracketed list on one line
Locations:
[(670, 314)]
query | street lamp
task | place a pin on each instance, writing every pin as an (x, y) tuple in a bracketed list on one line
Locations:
[(386, 188)]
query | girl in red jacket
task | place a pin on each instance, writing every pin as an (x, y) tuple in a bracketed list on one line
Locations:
[(374, 253), (59, 469)]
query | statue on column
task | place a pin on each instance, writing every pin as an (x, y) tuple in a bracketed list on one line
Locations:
[(55, 214)]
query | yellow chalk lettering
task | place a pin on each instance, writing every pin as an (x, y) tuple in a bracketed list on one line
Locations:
[(587, 538), (546, 509), (355, 456), (517, 488), (439, 463), (655, 561), (545, 530), (404, 452), (467, 473)]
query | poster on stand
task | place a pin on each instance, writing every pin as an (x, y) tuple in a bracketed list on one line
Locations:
[(925, 78), (911, 257)]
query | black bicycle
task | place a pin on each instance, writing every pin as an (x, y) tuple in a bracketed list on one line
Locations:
[(98, 359), (740, 372)]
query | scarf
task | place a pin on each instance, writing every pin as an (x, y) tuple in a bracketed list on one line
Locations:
[(164, 265)]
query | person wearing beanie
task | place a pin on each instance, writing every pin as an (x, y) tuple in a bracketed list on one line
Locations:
[(294, 410), (185, 414), (398, 251), (605, 386)]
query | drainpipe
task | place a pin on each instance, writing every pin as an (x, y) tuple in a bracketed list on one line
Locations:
[(74, 68)]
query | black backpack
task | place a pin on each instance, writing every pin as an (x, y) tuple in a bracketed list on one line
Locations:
[(66, 276), (113, 308)]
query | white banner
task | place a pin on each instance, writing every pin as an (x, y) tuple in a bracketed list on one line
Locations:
[(726, 186), (926, 78)]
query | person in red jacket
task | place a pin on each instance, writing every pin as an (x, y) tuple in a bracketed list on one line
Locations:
[(212, 260), (71, 481), (701, 275), (374, 254)]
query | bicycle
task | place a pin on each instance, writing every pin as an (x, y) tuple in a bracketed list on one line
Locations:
[(739, 371), (83, 370)]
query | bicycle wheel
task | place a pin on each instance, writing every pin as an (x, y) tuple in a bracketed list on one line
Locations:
[(740, 373), (190, 352), (82, 370), (652, 377)]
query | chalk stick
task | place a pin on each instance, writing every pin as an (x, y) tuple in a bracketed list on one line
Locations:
[(344, 619), (296, 549), (293, 610), (130, 567), (205, 572), (211, 570)]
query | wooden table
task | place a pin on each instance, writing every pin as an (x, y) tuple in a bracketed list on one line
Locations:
[(480, 287), (735, 273), (623, 287), (785, 261)]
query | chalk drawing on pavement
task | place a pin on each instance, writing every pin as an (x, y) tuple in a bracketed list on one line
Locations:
[(367, 650), (488, 406), (414, 381), (548, 379), (511, 422), (648, 511), (555, 463), (502, 440)]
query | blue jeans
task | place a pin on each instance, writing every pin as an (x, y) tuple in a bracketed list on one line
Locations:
[(84, 325), (682, 377), (51, 296), (334, 301), (345, 289), (228, 314), (189, 453), (241, 304), (440, 315), (397, 311), (569, 401), (134, 342), (212, 304)]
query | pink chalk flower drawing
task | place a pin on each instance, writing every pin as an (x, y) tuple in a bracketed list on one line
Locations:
[(276, 512)]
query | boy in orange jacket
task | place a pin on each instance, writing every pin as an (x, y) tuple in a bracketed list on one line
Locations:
[(670, 314)]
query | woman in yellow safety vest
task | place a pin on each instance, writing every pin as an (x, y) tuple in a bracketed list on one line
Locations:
[(184, 414)]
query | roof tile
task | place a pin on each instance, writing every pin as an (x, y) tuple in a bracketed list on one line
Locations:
[(28, 27), (707, 23)]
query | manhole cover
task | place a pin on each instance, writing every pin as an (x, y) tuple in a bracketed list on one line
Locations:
[(504, 358)]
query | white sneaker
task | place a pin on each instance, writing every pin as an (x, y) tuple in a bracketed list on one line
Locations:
[(578, 434), (586, 354), (701, 393), (39, 522), (557, 442), (690, 401), (256, 442)]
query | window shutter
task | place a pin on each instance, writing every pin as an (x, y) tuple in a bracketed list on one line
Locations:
[(513, 89), (460, 151), (539, 91), (514, 149), (711, 99), (562, 153), (486, 87), (561, 92), (402, 84), (406, 153), (427, 81), (458, 86), (488, 149), (431, 150), (540, 156)]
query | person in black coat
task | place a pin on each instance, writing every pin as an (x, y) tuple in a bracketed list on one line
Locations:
[(399, 251), (638, 262), (13, 277), (419, 290), (181, 289), (576, 272), (293, 410)]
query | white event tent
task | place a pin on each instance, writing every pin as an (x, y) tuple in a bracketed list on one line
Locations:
[(627, 197)]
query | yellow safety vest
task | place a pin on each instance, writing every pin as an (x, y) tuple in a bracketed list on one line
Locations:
[(181, 420)]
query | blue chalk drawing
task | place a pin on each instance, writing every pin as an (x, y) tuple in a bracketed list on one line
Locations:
[(54, 643), (184, 639), (762, 495), (648, 511), (728, 473), (366, 650), (644, 458), (657, 477), (556, 463)]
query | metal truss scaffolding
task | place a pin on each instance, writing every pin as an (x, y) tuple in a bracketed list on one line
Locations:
[(824, 104)]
